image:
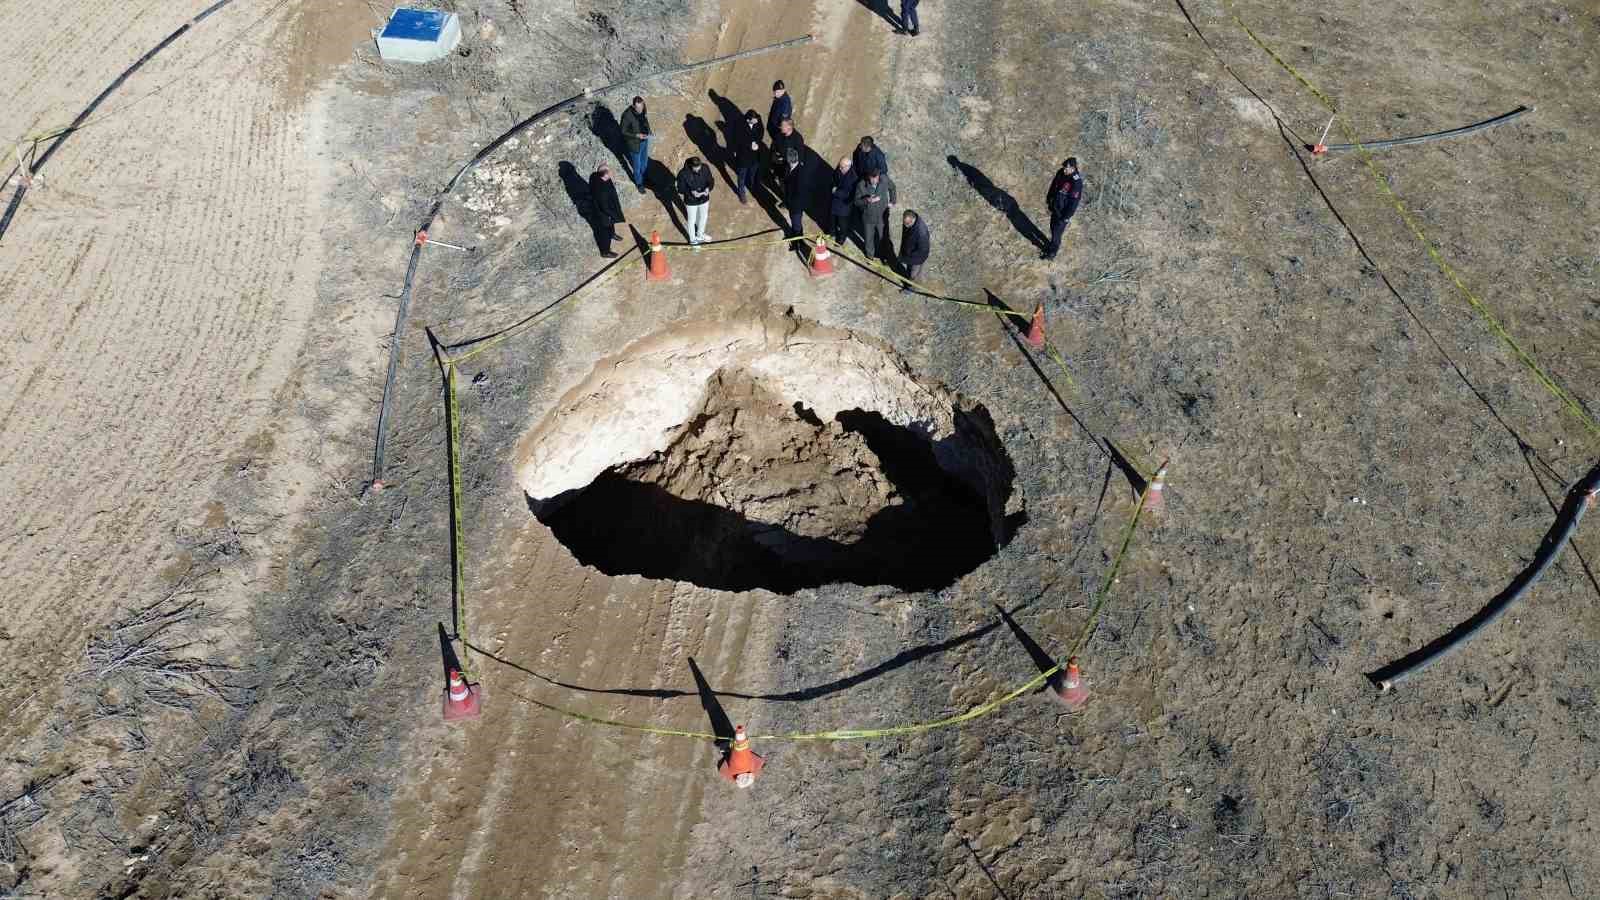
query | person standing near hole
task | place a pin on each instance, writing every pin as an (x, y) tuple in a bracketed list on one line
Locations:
[(869, 157), (874, 195), (841, 205), (914, 246), (636, 136), (787, 139), (782, 108), (794, 190), (747, 154), (606, 210), (1066, 190), (694, 186)]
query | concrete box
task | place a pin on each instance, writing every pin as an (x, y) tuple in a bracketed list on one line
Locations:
[(419, 35)]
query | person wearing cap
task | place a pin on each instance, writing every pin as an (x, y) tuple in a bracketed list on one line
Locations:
[(841, 204), (694, 187), (636, 136), (782, 108), (914, 247), (794, 190), (1066, 190), (874, 195), (605, 210), (746, 153)]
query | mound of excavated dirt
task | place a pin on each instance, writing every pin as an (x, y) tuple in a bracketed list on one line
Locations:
[(772, 453)]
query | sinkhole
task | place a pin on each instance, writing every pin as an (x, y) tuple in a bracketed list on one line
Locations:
[(770, 452)]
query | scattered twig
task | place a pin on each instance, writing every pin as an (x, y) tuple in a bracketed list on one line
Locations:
[(154, 649)]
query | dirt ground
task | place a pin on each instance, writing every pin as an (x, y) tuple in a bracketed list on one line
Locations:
[(225, 657)]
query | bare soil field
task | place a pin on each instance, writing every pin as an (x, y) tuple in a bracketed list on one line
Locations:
[(744, 496)]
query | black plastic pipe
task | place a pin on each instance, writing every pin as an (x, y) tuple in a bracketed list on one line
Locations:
[(1579, 499), (1437, 135)]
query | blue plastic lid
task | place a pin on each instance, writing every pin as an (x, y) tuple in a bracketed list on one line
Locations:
[(416, 24)]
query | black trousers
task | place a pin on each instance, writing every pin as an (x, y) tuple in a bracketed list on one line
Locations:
[(604, 233), (1058, 227), (840, 227)]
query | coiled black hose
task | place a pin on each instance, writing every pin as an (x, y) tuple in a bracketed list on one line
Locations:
[(1579, 499)]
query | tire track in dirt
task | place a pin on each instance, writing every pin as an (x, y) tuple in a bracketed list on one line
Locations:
[(155, 291)]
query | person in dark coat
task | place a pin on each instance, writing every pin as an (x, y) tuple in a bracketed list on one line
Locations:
[(782, 108), (841, 205), (747, 153), (868, 155), (694, 187), (908, 18), (605, 210), (636, 136), (875, 194), (786, 139), (1066, 190), (794, 190), (914, 247)]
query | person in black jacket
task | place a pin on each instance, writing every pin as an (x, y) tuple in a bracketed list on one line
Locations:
[(746, 153), (1066, 190), (605, 210), (782, 108), (794, 190), (868, 155), (786, 138), (914, 247), (636, 136), (841, 206), (694, 187)]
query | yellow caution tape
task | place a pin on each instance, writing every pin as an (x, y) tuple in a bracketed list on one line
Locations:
[(1439, 261), (851, 734), (458, 542)]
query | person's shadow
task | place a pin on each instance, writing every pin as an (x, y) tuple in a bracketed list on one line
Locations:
[(881, 9), (1000, 199), (660, 181), (582, 200), (605, 127), (705, 140)]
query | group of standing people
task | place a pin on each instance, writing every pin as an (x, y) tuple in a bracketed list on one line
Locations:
[(861, 197)]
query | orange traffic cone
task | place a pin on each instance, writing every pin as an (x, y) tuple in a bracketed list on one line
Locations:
[(741, 765), (462, 700), (658, 270), (1035, 335), (821, 260), (1072, 692), (1155, 493)]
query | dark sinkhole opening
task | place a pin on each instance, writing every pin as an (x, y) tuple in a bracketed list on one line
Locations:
[(753, 493)]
